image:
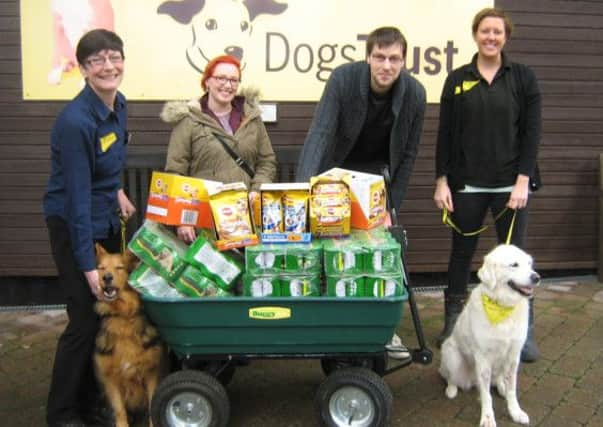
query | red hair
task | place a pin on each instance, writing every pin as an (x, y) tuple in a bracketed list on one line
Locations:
[(211, 66)]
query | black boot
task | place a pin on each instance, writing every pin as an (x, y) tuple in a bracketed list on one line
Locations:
[(530, 352), (453, 305)]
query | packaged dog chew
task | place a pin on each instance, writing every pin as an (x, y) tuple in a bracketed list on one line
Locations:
[(383, 285), (218, 266), (192, 283), (303, 257), (160, 249), (300, 285), (345, 286), (264, 258), (295, 205), (343, 257), (272, 212), (230, 209), (261, 286), (144, 280)]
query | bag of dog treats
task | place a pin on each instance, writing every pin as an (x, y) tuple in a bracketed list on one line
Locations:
[(144, 280), (230, 209), (216, 265), (160, 249), (295, 211), (193, 283)]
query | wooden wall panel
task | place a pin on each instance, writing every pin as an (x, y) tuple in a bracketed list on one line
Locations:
[(562, 40)]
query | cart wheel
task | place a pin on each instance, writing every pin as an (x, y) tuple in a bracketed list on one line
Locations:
[(376, 364), (354, 397), (192, 399)]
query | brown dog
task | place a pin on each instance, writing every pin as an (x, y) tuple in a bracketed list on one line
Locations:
[(128, 355)]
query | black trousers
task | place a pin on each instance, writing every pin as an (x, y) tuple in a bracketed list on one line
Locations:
[(470, 210), (73, 385)]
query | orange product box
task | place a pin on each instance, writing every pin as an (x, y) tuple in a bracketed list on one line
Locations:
[(368, 197), (179, 200)]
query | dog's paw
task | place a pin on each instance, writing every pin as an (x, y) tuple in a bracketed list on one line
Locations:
[(451, 391), (520, 417), (487, 420)]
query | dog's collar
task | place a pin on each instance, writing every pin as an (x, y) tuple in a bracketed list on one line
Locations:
[(495, 312)]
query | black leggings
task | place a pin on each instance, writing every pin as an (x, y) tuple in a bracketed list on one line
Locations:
[(470, 210)]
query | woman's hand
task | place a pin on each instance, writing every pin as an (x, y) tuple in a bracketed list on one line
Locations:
[(126, 208), (520, 192), (442, 195), (186, 233), (93, 283)]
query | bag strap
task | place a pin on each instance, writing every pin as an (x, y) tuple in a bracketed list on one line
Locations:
[(238, 160)]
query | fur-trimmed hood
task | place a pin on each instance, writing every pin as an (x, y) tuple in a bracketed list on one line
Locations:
[(174, 111)]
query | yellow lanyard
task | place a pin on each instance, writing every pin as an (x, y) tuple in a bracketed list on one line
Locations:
[(447, 221)]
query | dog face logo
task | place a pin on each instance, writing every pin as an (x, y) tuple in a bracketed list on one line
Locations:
[(218, 26)]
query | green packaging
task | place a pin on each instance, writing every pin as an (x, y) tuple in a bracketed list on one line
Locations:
[(264, 258), (345, 286), (300, 286), (383, 286), (193, 283), (303, 258), (144, 280), (382, 258), (261, 286), (215, 265), (160, 249), (343, 257)]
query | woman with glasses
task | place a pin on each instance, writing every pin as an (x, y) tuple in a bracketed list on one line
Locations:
[(82, 205), (486, 152), (203, 126)]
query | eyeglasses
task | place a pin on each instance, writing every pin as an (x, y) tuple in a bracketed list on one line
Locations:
[(394, 60), (223, 79), (99, 61)]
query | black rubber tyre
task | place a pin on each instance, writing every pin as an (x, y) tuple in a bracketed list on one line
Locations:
[(353, 397), (377, 364), (191, 398)]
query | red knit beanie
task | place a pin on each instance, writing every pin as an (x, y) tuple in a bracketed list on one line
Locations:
[(211, 66)]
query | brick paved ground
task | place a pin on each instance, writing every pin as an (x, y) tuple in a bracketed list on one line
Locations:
[(564, 388)]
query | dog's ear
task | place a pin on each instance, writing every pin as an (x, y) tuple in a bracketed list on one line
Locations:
[(99, 250), (487, 272)]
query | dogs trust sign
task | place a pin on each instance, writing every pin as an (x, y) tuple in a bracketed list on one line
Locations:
[(288, 48)]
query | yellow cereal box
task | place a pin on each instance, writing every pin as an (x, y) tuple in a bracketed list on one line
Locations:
[(179, 200)]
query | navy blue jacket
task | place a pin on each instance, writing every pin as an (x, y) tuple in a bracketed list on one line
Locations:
[(88, 153)]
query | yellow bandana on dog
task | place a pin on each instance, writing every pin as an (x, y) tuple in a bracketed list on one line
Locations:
[(495, 312)]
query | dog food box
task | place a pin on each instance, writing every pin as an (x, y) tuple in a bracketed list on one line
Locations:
[(179, 200), (300, 285), (160, 249), (215, 265), (144, 280), (264, 258), (261, 286), (383, 285), (330, 206), (343, 256), (284, 212), (192, 283), (229, 205), (368, 202), (345, 286)]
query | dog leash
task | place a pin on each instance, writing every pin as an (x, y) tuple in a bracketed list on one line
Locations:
[(446, 220), (122, 222)]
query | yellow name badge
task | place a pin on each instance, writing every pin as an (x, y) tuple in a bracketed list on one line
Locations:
[(467, 86), (107, 141), (269, 313)]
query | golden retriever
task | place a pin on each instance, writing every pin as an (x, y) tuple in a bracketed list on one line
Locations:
[(128, 355), (486, 342)]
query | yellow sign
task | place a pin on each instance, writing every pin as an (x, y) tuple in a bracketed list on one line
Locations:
[(288, 48), (269, 313)]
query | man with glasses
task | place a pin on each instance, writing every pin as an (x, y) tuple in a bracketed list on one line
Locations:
[(369, 116)]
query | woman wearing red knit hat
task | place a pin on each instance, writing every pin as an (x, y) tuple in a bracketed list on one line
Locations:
[(202, 126)]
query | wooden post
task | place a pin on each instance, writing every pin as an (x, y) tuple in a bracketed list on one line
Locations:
[(600, 269)]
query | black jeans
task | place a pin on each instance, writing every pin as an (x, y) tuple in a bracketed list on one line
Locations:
[(470, 210), (73, 384)]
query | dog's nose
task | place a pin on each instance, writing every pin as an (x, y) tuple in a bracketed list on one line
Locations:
[(108, 277), (535, 278), (236, 51)]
